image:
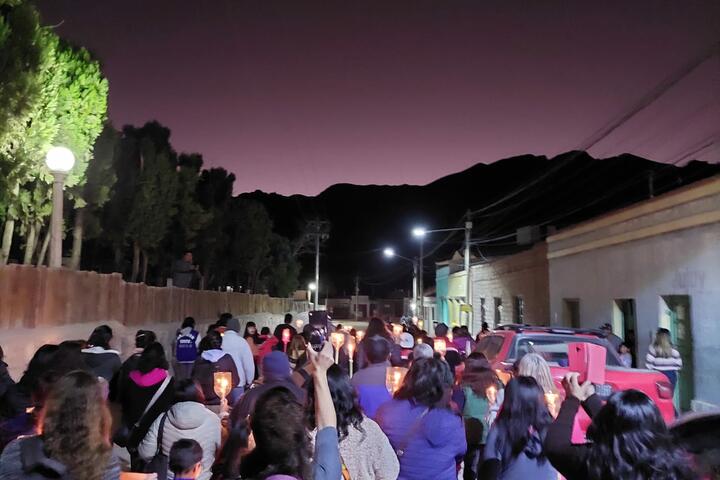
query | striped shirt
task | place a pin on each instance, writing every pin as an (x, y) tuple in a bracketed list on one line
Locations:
[(663, 364)]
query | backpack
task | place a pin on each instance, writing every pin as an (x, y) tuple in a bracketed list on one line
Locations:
[(186, 347)]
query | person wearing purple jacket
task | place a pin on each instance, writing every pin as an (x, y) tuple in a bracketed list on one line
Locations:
[(427, 436)]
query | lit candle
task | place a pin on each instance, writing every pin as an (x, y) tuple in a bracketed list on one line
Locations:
[(351, 350), (397, 329), (359, 335), (337, 339), (450, 336), (285, 338), (419, 340), (550, 399), (420, 324), (222, 386), (299, 324), (393, 378), (440, 346)]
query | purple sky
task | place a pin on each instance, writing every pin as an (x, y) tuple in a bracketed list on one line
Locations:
[(294, 96)]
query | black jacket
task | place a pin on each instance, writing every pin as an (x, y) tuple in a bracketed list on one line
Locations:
[(11, 402), (134, 398), (203, 374)]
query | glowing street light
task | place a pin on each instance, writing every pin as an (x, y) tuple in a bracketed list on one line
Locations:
[(311, 288), (389, 252), (59, 161), (419, 232)]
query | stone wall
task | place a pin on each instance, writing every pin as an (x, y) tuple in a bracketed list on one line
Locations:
[(41, 305)]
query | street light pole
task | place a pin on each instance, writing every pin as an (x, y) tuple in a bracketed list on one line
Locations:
[(415, 283), (317, 268), (468, 284), (420, 280), (59, 161)]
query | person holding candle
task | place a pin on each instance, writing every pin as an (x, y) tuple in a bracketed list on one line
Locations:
[(535, 366), (213, 359), (427, 436), (187, 418), (276, 373), (377, 327), (478, 397), (514, 448), (364, 449), (370, 381)]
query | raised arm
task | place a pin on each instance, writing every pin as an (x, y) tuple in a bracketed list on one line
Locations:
[(326, 465)]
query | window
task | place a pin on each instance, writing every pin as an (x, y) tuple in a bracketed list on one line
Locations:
[(497, 319), (519, 309), (554, 348), (490, 346)]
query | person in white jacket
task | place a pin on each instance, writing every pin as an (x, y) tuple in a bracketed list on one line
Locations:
[(234, 344), (188, 418)]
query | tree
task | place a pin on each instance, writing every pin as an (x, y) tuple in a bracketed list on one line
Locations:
[(100, 179), (214, 193), (283, 268), (153, 204), (252, 234)]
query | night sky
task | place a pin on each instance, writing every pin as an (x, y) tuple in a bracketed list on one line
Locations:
[(294, 96)]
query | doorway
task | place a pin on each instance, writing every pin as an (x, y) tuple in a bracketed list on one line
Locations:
[(625, 324), (675, 316), (497, 319), (571, 312)]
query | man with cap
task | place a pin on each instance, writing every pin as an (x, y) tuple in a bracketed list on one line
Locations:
[(238, 348), (276, 373), (407, 342)]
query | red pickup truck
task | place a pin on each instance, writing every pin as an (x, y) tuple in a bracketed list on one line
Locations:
[(505, 345)]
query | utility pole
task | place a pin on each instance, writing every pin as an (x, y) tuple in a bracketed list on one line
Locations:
[(415, 284), (320, 229), (357, 292), (468, 283), (421, 311)]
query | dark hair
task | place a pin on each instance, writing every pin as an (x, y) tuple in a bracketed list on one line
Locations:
[(478, 375), (2, 354), (456, 330), (211, 328), (228, 462), (485, 327), (522, 420), (143, 338), (344, 397), (255, 336), (184, 455), (39, 363), (224, 319), (288, 318), (441, 330), (278, 333), (187, 390), (265, 331), (377, 327), (100, 337), (67, 358), (282, 445), (377, 349), (211, 341), (152, 357), (426, 382), (188, 322), (631, 440)]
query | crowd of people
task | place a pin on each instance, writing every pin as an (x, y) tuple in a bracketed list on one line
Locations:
[(387, 402)]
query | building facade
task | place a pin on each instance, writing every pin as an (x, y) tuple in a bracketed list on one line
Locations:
[(512, 289), (654, 264)]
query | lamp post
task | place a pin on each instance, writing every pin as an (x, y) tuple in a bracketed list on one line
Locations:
[(312, 286), (59, 161), (419, 233), (389, 252)]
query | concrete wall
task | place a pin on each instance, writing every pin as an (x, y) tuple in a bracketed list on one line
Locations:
[(524, 274), (42, 305), (666, 246)]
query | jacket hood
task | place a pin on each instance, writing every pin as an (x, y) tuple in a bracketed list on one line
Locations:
[(99, 350), (187, 415), (153, 377), (185, 331), (213, 355)]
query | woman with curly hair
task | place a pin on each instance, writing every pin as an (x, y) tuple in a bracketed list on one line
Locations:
[(74, 436), (629, 438), (365, 451)]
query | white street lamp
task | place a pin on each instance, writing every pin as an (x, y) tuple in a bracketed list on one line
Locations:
[(312, 287), (389, 252), (59, 161), (419, 232)]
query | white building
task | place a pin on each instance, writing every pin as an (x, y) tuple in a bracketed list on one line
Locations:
[(654, 264)]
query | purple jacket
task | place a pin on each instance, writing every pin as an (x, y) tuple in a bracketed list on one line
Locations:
[(431, 445)]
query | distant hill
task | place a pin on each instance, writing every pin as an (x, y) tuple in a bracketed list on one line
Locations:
[(508, 194)]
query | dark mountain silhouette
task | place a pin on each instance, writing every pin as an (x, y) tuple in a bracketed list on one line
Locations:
[(505, 195)]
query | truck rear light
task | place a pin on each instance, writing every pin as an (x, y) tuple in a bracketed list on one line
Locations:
[(664, 389)]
